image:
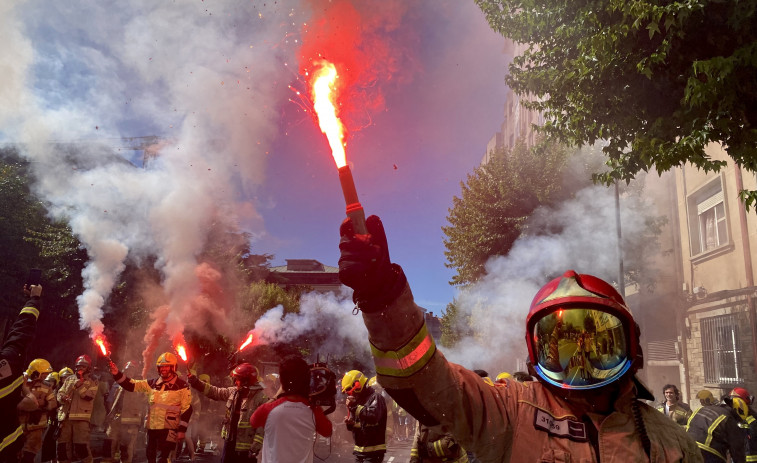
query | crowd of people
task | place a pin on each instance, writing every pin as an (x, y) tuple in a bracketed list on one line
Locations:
[(580, 401)]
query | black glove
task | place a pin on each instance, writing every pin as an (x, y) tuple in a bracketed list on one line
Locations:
[(195, 382), (365, 267)]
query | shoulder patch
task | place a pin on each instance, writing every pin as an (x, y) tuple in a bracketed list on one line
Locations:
[(5, 369), (565, 427)]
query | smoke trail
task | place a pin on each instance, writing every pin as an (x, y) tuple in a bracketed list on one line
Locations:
[(206, 78), (580, 234)]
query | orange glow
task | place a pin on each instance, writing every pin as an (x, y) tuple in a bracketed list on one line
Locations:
[(182, 351), (559, 314), (100, 341), (246, 343), (324, 80)]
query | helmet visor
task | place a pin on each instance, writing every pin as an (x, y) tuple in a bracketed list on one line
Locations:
[(579, 348)]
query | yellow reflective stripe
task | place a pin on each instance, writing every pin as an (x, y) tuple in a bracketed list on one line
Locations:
[(372, 448), (438, 449), (749, 419), (129, 420), (83, 416), (258, 438), (413, 452), (242, 446), (30, 310), (358, 410), (11, 387), (243, 425), (711, 430), (711, 450), (751, 458), (408, 359), (11, 438)]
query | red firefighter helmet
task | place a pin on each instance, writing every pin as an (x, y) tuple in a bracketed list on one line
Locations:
[(246, 373), (743, 394), (580, 333), (83, 362)]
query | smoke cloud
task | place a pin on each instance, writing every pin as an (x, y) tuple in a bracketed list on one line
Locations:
[(207, 78)]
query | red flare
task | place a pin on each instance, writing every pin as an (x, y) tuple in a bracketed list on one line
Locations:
[(246, 342), (100, 341), (182, 351)]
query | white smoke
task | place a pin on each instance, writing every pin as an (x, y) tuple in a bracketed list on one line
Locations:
[(206, 77), (326, 312), (578, 235)]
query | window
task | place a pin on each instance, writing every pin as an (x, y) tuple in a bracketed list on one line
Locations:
[(707, 219), (721, 349)]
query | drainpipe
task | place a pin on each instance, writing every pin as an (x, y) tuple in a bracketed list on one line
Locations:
[(747, 263), (683, 306)]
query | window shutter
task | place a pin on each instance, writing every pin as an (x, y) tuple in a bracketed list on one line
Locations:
[(710, 202)]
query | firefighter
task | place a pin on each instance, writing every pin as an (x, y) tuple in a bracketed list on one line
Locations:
[(64, 373), (717, 431), (501, 378), (170, 406), (242, 443), (123, 421), (76, 397), (749, 424), (51, 432), (366, 418), (434, 445), (672, 407), (38, 402), (12, 355), (561, 417)]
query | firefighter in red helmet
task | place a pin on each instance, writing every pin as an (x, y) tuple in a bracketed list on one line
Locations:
[(583, 347), (242, 443)]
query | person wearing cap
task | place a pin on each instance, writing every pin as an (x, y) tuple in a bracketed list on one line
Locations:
[(12, 367), (718, 432), (672, 407), (584, 409)]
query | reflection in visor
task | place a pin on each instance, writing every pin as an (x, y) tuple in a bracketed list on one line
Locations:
[(580, 348)]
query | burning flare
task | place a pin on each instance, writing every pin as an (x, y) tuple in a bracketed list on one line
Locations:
[(182, 351), (324, 80), (246, 343), (100, 341)]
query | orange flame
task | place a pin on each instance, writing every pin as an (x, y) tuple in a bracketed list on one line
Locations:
[(246, 343), (182, 351), (324, 95), (100, 341)]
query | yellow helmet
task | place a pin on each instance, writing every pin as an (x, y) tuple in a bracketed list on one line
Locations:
[(167, 359), (502, 377), (64, 373), (353, 382), (488, 380), (706, 397), (38, 369), (372, 382), (741, 407)]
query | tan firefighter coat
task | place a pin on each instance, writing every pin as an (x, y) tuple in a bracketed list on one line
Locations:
[(520, 422), (77, 403)]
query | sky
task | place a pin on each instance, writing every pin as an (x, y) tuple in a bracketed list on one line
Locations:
[(224, 87)]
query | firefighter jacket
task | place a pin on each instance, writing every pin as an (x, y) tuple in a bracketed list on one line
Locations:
[(241, 403), (679, 412), (169, 402), (77, 399), (127, 408), (12, 366), (750, 428), (716, 430), (37, 414), (517, 421), (369, 426), (433, 445)]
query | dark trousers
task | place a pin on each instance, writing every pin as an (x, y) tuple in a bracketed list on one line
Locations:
[(229, 455), (10, 454), (373, 457), (158, 446)]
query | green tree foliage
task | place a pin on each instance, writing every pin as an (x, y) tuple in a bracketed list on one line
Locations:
[(260, 297), (659, 80), (496, 200), (454, 326)]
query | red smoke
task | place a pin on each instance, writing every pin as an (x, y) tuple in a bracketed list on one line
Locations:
[(363, 43), (154, 336)]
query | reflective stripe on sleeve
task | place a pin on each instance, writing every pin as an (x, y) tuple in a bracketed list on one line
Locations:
[(711, 450), (11, 387), (372, 448), (438, 450), (31, 310), (751, 458), (711, 430), (11, 438), (409, 359)]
